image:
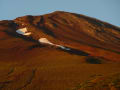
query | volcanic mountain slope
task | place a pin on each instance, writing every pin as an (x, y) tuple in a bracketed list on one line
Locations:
[(74, 31), (56, 51)]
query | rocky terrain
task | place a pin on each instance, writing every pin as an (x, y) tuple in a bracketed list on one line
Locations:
[(57, 51)]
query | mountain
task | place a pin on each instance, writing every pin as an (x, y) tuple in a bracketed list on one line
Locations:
[(58, 47)]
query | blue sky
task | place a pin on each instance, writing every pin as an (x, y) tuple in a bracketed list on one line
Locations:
[(106, 10)]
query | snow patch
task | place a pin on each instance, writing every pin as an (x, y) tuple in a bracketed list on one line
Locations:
[(62, 47), (23, 31), (46, 41)]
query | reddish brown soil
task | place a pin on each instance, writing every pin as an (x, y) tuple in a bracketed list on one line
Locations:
[(26, 64)]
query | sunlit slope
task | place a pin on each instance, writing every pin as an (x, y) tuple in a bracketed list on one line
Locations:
[(78, 47), (75, 31)]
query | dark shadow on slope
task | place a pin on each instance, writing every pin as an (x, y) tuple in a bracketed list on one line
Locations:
[(14, 34), (71, 51), (75, 52), (94, 60), (35, 46), (41, 26), (47, 31)]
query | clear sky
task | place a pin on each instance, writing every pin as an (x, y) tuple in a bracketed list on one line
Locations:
[(106, 10)]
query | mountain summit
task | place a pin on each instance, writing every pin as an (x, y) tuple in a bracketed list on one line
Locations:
[(70, 30), (57, 51)]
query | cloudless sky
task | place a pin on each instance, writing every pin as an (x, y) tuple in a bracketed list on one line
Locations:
[(106, 10)]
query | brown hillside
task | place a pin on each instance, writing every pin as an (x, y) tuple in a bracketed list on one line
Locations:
[(26, 64)]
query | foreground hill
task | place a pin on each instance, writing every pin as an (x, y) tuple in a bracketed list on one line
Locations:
[(56, 51)]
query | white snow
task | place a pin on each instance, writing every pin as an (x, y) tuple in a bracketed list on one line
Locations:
[(46, 41), (62, 47), (23, 31)]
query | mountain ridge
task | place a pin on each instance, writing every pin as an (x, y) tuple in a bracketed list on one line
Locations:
[(70, 30), (59, 51)]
